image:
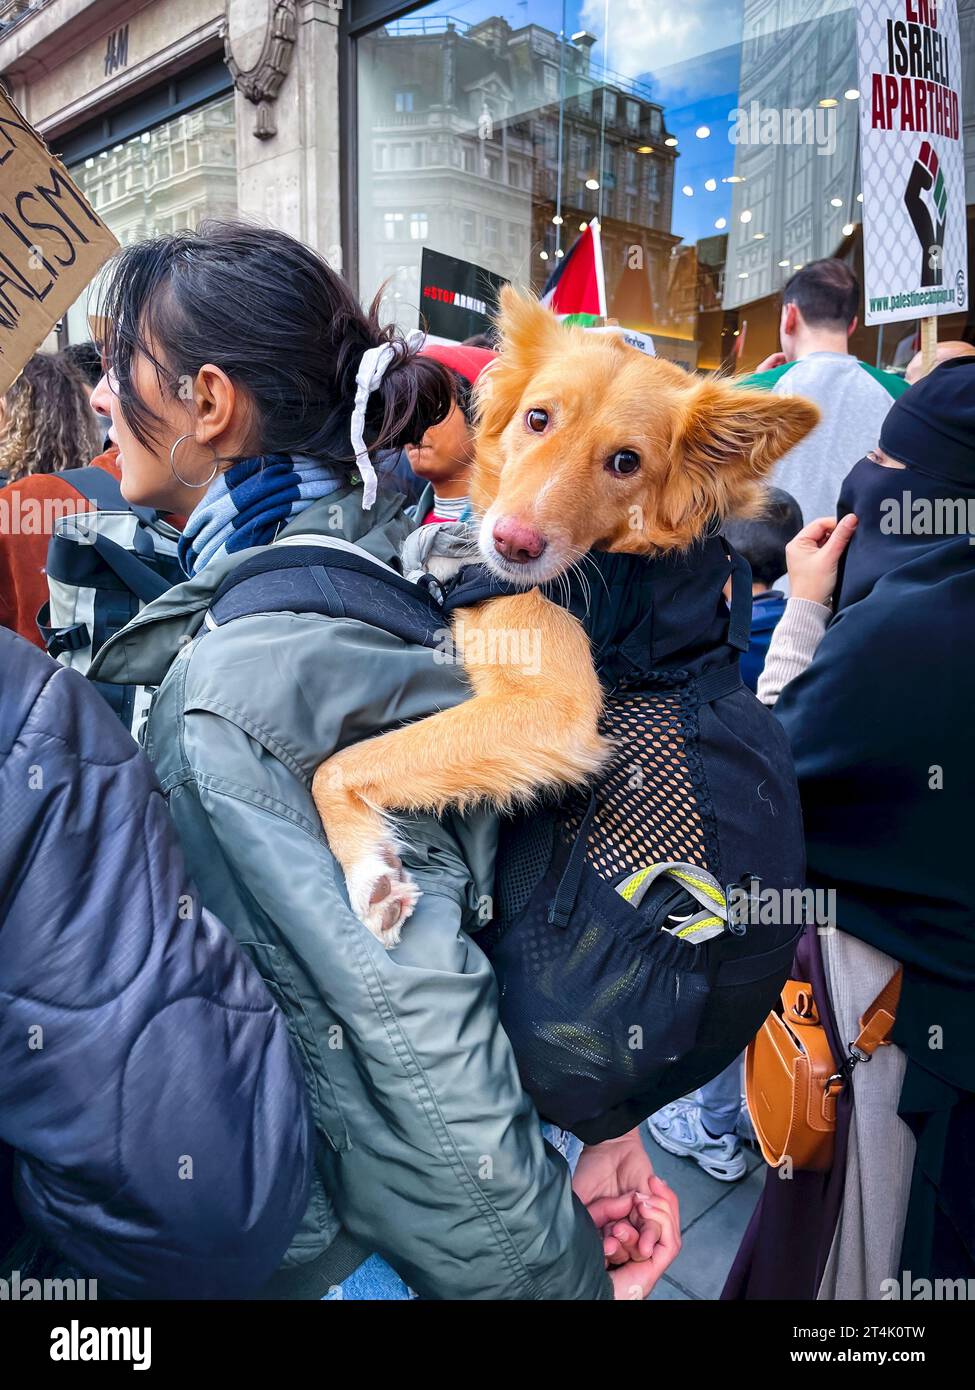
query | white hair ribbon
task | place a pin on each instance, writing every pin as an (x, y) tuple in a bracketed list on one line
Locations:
[(372, 368)]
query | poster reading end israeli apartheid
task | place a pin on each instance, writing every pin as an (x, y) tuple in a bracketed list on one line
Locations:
[(914, 230), (51, 242)]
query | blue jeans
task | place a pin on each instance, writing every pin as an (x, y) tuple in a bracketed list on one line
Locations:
[(720, 1100), (374, 1279)]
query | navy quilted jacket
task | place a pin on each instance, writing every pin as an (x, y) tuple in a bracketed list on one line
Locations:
[(154, 1126)]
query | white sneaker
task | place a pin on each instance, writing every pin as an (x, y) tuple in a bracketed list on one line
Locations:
[(677, 1128)]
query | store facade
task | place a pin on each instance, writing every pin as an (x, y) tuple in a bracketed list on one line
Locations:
[(172, 111), (716, 141)]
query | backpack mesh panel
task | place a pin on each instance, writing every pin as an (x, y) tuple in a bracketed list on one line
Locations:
[(524, 851), (647, 800)]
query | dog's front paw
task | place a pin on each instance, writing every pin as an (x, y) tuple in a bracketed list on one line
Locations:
[(382, 894)]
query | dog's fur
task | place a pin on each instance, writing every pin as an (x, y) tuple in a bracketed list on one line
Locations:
[(704, 447)]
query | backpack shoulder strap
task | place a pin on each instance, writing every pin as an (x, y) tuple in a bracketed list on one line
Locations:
[(336, 579), (99, 487)]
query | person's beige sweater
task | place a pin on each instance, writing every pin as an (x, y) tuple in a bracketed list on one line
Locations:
[(797, 635)]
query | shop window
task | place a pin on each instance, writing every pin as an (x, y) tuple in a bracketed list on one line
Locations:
[(721, 222), (145, 170)]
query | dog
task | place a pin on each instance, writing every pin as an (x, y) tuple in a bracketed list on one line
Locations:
[(582, 442)]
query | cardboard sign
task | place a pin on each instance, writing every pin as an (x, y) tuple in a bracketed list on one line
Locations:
[(915, 248), (51, 242), (457, 298)]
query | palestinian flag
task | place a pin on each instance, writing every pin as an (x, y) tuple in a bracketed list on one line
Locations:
[(577, 285)]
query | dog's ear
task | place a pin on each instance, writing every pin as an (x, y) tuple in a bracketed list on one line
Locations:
[(726, 443), (530, 335), (528, 331)]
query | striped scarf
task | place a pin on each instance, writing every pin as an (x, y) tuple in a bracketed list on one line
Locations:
[(249, 503)]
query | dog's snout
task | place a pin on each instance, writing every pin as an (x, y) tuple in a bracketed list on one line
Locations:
[(516, 541)]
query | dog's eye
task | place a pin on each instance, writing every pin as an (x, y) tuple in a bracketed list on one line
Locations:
[(537, 420), (623, 462)]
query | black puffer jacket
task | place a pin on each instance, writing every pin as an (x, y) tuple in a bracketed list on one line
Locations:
[(154, 1126)]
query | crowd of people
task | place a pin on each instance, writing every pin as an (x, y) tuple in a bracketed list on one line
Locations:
[(214, 1082)]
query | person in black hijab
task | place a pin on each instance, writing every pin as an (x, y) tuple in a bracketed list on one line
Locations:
[(881, 730)]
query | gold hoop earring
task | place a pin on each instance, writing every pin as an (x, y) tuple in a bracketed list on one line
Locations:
[(179, 479)]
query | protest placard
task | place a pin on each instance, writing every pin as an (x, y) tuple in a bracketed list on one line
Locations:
[(52, 241), (914, 217)]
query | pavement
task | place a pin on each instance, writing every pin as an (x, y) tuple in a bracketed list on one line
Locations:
[(713, 1217)]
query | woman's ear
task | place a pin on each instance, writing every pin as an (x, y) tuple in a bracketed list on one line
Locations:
[(221, 415)]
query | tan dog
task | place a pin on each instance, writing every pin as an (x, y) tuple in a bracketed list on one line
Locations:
[(582, 442)]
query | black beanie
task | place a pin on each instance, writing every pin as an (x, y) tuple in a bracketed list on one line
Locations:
[(931, 427)]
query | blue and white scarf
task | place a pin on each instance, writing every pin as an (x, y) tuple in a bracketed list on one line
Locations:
[(249, 503)]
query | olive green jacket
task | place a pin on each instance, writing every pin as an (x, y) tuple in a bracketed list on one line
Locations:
[(430, 1153)]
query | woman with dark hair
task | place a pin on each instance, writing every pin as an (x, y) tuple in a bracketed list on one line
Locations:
[(875, 696), (250, 388)]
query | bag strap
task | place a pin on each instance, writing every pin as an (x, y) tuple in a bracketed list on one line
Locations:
[(740, 616), (99, 487), (878, 1019), (336, 579)]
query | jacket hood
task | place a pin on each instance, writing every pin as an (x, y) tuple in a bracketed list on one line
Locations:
[(144, 650)]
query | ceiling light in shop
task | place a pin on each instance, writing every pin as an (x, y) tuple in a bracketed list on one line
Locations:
[(797, 267), (710, 184), (746, 216), (559, 254), (852, 94), (785, 262), (557, 220), (583, 226), (734, 178), (859, 197), (827, 102), (836, 202), (593, 184), (543, 255), (743, 275), (687, 191), (644, 149), (702, 132), (671, 141), (849, 229), (721, 223), (736, 332), (759, 236)]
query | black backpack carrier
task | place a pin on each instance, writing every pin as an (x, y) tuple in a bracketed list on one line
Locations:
[(624, 982)]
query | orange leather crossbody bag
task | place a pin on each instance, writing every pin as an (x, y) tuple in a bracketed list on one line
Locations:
[(792, 1081)]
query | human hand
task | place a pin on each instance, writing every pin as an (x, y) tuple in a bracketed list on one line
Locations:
[(608, 1180), (813, 557), (635, 1279)]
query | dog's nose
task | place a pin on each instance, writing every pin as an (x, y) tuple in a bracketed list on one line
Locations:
[(516, 541)]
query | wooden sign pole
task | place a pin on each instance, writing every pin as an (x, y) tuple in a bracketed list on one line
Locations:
[(929, 343)]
